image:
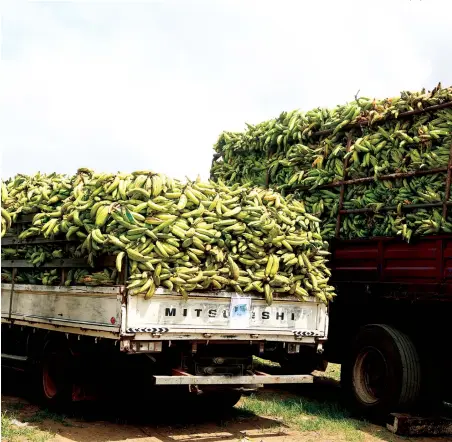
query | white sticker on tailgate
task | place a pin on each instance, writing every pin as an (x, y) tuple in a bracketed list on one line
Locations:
[(240, 312), (200, 313)]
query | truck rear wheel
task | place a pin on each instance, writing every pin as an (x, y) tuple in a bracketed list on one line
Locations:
[(52, 375), (383, 373)]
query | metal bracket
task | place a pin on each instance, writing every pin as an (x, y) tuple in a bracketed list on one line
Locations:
[(125, 345), (191, 388)]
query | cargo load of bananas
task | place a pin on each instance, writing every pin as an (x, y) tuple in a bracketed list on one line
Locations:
[(183, 236), (53, 277), (40, 254), (300, 153)]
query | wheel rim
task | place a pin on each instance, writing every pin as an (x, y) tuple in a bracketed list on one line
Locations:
[(370, 374), (52, 372)]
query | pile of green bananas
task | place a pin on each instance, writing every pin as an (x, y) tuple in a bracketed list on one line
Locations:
[(107, 276), (192, 236), (364, 139), (40, 254)]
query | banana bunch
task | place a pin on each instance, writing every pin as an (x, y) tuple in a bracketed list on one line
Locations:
[(84, 277), (13, 253), (6, 217), (53, 277), (323, 203), (298, 163), (7, 276), (184, 236), (34, 254), (46, 277)]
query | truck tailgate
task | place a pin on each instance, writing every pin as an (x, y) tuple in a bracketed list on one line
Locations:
[(225, 316)]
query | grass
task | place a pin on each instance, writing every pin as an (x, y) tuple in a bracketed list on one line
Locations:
[(11, 432), (305, 415), (42, 415), (16, 406), (333, 371), (303, 412)]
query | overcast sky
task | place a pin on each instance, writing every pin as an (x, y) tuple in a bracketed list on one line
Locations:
[(151, 85)]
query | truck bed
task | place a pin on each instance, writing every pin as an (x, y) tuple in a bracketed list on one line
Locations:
[(390, 281), (419, 271), (109, 312)]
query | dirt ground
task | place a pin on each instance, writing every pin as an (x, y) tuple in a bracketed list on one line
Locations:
[(81, 430), (252, 420), (303, 413)]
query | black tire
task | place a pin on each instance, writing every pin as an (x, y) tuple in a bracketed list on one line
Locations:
[(52, 375), (382, 373)]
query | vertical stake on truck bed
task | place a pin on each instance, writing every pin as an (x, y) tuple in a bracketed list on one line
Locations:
[(124, 274), (448, 180), (13, 278), (341, 196), (267, 170)]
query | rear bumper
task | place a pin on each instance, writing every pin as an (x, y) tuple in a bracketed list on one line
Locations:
[(256, 380), (138, 341)]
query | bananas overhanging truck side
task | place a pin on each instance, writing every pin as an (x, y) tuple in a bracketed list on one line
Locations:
[(73, 339)]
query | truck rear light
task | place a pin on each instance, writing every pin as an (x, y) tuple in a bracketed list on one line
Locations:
[(155, 346), (146, 346), (143, 346), (293, 348)]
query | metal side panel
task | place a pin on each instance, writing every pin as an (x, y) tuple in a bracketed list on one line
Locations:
[(95, 308), (6, 297), (169, 314)]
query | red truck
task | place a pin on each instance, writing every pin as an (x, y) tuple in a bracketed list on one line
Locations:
[(389, 325)]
